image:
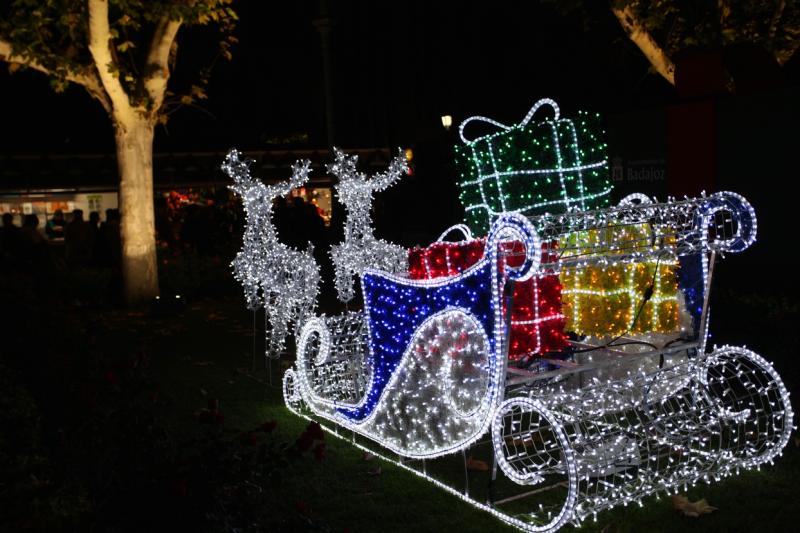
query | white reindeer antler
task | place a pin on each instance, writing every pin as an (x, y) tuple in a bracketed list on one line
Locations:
[(398, 167), (345, 169), (344, 166), (238, 169), (250, 188), (300, 172)]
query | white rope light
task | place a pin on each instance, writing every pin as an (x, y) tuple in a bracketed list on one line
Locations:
[(556, 164), (635, 198), (544, 101), (622, 440)]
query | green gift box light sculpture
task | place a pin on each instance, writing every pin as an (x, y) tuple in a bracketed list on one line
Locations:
[(534, 167)]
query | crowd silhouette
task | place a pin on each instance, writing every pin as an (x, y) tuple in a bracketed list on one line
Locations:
[(198, 235), (73, 244), (198, 228)]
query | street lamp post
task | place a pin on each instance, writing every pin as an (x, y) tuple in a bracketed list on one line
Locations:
[(447, 121)]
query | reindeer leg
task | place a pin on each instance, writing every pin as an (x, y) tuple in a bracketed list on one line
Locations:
[(343, 282), (275, 318)]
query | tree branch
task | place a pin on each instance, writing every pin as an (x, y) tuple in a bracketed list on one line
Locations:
[(100, 48), (156, 70), (773, 24), (86, 79), (641, 37)]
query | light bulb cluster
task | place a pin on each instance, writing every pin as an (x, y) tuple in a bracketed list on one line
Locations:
[(434, 352), (537, 324), (282, 280), (615, 442), (610, 299), (416, 403), (332, 359), (361, 249), (533, 167)]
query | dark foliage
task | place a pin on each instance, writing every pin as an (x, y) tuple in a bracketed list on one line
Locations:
[(86, 443)]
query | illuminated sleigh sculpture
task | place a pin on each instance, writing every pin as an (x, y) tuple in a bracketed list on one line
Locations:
[(423, 372)]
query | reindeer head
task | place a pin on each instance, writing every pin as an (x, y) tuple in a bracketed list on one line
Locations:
[(238, 169), (355, 189), (252, 190), (300, 172)]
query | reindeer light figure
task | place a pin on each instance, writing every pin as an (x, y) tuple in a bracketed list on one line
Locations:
[(283, 280), (360, 248)]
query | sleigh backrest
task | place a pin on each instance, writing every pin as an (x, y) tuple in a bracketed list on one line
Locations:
[(640, 267)]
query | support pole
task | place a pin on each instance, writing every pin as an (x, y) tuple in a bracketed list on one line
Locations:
[(324, 24), (253, 363), (466, 473)]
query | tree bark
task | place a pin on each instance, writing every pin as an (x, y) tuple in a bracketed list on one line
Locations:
[(134, 138), (654, 53)]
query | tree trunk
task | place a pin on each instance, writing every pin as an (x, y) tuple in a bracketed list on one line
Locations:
[(134, 137)]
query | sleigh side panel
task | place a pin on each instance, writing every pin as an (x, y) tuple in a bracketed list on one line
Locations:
[(396, 307)]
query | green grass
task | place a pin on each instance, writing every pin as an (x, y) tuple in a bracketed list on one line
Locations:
[(205, 352)]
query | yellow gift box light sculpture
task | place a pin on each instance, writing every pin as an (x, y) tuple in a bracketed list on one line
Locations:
[(616, 297)]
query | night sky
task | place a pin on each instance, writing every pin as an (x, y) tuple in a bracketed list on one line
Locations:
[(397, 68)]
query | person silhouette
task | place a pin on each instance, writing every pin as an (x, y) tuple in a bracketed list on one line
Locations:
[(94, 233), (55, 226), (78, 238), (9, 240), (33, 246), (110, 245)]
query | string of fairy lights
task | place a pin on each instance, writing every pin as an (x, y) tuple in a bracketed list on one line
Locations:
[(537, 322), (570, 333), (605, 300), (614, 443)]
